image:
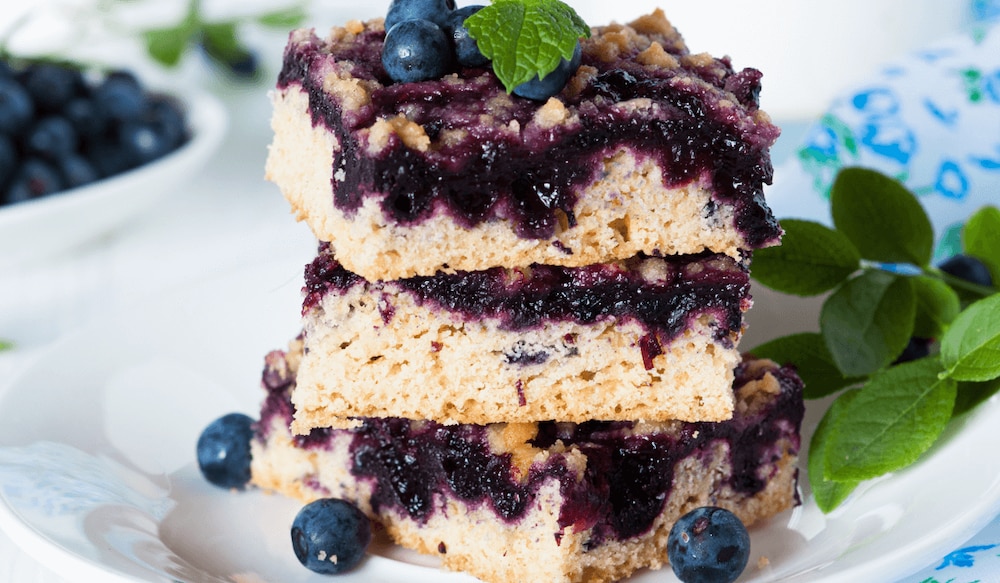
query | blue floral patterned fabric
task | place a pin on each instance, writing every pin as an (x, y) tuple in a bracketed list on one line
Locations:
[(932, 120)]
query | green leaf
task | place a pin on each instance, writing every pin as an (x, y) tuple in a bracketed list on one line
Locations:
[(221, 41), (166, 45), (981, 239), (896, 417), (828, 493), (6, 345), (867, 322), (811, 259), (881, 217), (808, 354), (937, 305), (525, 38), (972, 394), (970, 349), (283, 19)]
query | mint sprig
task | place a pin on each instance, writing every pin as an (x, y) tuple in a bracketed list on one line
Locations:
[(525, 38), (882, 291), (5, 345)]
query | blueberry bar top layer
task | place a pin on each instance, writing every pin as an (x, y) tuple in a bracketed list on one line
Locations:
[(630, 467), (466, 148), (660, 293)]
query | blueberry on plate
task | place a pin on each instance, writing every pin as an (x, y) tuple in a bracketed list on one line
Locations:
[(330, 536), (434, 10), (467, 51), (416, 50), (540, 89), (8, 159), (968, 268), (224, 451), (708, 545)]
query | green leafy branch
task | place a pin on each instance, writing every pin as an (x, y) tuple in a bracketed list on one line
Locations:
[(883, 291), (220, 39)]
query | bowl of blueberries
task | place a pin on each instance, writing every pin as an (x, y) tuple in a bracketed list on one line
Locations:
[(82, 152)]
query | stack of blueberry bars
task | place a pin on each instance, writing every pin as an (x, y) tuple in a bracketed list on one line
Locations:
[(519, 346)]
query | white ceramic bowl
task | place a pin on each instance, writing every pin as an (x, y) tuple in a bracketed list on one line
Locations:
[(46, 227)]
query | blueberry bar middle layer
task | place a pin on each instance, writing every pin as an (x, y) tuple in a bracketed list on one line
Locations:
[(649, 338)]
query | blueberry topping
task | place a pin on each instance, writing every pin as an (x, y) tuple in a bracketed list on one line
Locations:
[(708, 545), (330, 536), (467, 51), (540, 89), (416, 50), (224, 451), (436, 11), (968, 268)]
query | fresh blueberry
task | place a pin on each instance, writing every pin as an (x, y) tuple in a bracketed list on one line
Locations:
[(8, 159), (51, 86), (34, 179), (167, 117), (330, 536), (142, 142), (76, 170), (916, 348), (108, 157), (82, 114), (434, 10), (416, 50), (551, 84), (708, 545), (466, 49), (224, 451), (51, 137), (120, 97), (16, 107), (968, 268)]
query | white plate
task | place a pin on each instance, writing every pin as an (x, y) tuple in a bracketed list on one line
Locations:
[(47, 226), (97, 479)]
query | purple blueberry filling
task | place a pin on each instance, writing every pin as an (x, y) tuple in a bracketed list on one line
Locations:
[(690, 285), (532, 178), (628, 478)]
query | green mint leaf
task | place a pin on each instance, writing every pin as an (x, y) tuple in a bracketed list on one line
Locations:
[(283, 19), (896, 416), (881, 217), (811, 259), (970, 349), (166, 45), (828, 493), (937, 305), (981, 239), (811, 358), (867, 322), (525, 38), (6, 345), (972, 394)]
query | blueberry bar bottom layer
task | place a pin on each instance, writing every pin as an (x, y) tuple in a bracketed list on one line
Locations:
[(560, 502)]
